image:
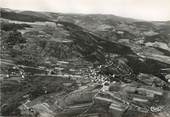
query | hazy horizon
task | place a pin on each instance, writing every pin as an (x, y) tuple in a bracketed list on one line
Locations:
[(150, 10)]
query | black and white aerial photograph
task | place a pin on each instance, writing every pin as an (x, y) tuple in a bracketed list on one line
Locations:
[(85, 58)]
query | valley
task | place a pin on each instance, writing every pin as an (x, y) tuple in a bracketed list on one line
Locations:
[(75, 65)]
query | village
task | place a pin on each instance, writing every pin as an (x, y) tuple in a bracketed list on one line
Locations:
[(83, 65)]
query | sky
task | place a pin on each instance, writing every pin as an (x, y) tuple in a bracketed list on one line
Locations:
[(151, 10)]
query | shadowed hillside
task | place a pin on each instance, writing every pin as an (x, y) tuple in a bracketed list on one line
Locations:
[(95, 65)]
